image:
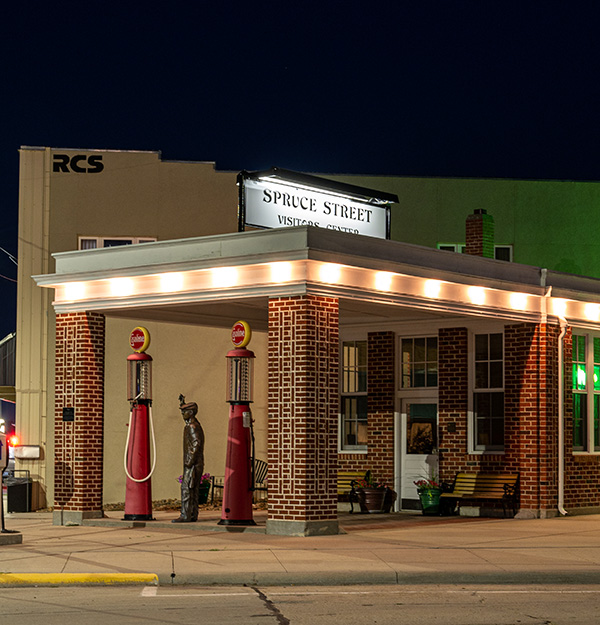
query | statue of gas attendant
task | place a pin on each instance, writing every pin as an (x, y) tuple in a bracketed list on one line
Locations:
[(193, 462)]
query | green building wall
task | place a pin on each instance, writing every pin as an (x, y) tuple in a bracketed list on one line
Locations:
[(552, 224)]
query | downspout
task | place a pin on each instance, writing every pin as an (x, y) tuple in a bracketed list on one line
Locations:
[(561, 391), (561, 417)]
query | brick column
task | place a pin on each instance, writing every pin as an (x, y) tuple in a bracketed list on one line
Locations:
[(303, 415), (78, 443), (531, 409), (381, 404), (453, 382)]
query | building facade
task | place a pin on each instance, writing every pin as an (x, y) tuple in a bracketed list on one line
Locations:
[(412, 362)]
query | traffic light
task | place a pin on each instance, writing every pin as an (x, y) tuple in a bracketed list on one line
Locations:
[(13, 440)]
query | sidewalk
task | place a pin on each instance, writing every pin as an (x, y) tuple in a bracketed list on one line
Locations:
[(403, 548)]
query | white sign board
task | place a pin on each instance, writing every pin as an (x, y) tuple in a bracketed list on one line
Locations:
[(271, 204)]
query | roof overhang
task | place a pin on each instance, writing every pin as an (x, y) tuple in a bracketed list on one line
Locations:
[(249, 268)]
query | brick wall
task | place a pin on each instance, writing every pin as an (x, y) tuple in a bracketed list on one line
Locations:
[(303, 408), (381, 385), (453, 380), (530, 410), (79, 385), (531, 405)]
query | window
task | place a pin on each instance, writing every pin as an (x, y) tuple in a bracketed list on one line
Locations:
[(419, 362), (488, 392), (501, 252), (354, 395), (586, 392), (92, 243)]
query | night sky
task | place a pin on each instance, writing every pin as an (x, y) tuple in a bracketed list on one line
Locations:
[(467, 89)]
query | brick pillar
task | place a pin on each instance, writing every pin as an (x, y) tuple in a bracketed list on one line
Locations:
[(381, 404), (303, 415), (531, 408), (78, 442), (480, 234), (453, 382)]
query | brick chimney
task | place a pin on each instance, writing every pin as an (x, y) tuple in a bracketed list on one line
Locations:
[(480, 234)]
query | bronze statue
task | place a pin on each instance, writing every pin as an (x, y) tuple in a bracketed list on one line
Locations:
[(193, 462)]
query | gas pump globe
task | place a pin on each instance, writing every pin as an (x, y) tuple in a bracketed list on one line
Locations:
[(138, 489), (238, 485)]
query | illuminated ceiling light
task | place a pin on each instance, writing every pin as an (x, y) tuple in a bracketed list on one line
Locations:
[(74, 290), (383, 280), (281, 272), (559, 306), (592, 312), (121, 287), (224, 276), (518, 301), (476, 295), (432, 288), (170, 282), (330, 273)]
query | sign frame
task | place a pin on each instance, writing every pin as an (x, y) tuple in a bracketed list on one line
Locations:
[(316, 190)]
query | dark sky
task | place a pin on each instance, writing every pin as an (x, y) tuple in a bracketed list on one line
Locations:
[(468, 89)]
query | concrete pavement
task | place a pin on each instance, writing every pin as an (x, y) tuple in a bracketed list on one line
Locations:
[(403, 548)]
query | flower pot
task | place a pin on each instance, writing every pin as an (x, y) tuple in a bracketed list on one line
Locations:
[(203, 491), (375, 500), (430, 500)]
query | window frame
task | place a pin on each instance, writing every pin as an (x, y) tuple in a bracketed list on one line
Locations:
[(426, 362), (361, 392), (100, 241), (474, 390), (590, 392), (461, 248)]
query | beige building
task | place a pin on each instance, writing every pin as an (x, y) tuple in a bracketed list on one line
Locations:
[(78, 199)]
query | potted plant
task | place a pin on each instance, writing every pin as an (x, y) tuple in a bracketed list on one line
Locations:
[(204, 488), (374, 496), (429, 491)]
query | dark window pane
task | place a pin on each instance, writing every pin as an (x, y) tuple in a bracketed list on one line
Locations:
[(116, 242), (497, 432), (362, 353), (483, 435), (362, 381), (496, 375), (495, 346), (481, 375), (419, 350), (579, 420), (481, 347), (483, 405), (432, 374), (497, 401), (419, 374), (597, 350), (432, 349)]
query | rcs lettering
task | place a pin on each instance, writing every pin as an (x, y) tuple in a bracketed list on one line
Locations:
[(79, 164)]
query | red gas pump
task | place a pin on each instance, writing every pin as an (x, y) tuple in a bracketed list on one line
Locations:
[(238, 486), (138, 492)]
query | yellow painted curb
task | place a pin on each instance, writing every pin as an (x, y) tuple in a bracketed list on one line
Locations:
[(57, 579)]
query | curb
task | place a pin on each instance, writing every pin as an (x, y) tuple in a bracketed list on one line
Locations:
[(76, 579)]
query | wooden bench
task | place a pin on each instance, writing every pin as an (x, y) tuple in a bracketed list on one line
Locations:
[(484, 487), (345, 486)]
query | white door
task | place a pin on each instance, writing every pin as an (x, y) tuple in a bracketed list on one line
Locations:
[(418, 446)]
